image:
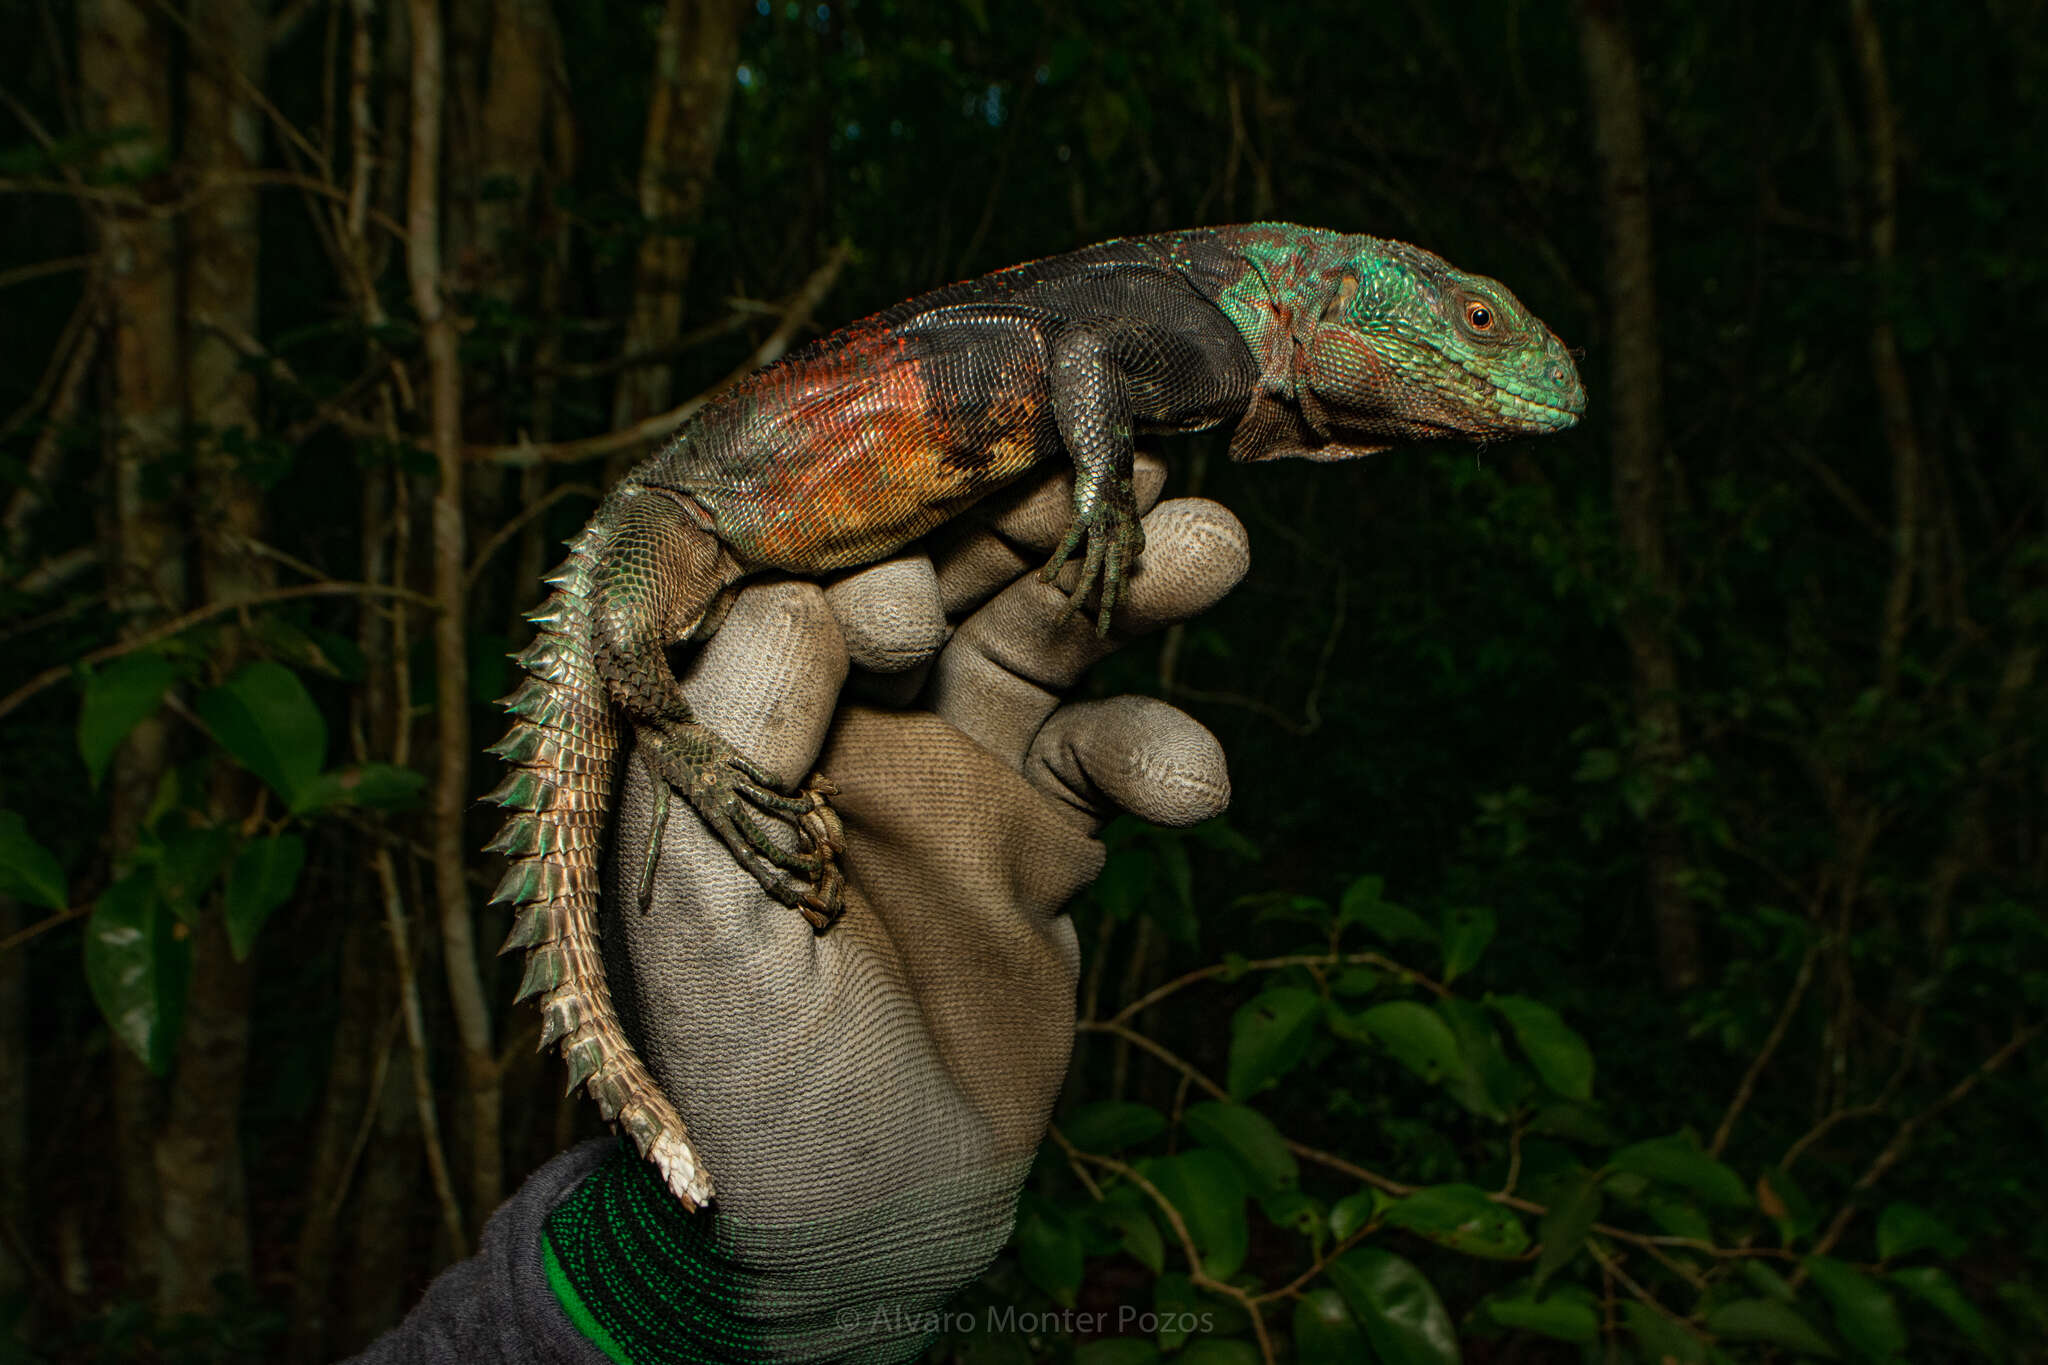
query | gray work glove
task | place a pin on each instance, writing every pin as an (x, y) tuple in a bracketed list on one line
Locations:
[(869, 1101)]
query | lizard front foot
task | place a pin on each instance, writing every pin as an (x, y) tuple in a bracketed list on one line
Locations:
[(1109, 525), (739, 803)]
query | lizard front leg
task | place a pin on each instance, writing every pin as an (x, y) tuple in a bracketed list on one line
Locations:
[(659, 572), (1092, 406)]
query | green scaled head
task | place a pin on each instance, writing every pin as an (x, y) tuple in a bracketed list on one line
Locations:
[(1365, 343)]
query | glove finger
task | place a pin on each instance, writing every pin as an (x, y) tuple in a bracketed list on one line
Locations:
[(1135, 754), (1009, 663), (768, 680), (889, 613), (1019, 531)]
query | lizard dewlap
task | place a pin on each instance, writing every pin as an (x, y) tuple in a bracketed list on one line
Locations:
[(1311, 344)]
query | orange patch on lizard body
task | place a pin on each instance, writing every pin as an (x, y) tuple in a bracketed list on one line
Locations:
[(868, 447)]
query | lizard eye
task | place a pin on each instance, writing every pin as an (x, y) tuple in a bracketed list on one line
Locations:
[(1478, 316), (1340, 302)]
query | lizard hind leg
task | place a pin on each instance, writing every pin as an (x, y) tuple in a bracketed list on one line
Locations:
[(658, 575)]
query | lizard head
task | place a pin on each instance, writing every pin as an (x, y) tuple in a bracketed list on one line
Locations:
[(1391, 344)]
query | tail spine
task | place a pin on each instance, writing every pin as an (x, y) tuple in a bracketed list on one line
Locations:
[(563, 749)]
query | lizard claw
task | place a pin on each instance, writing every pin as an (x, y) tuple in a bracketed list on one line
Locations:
[(1114, 539), (738, 803)]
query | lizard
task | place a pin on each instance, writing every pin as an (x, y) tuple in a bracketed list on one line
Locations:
[(1314, 344)]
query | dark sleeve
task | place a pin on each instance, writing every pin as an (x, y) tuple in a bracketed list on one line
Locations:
[(496, 1308)]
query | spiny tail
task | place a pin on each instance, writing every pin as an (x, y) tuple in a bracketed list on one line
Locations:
[(563, 749)]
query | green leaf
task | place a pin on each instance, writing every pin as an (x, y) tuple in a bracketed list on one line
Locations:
[(377, 786), (1049, 1249), (1768, 1281), (1295, 1211), (1490, 1084), (1137, 1234), (1865, 1315), (137, 964), (1784, 1203), (1462, 1218), (266, 719), (1770, 1321), (1574, 1123), (1563, 1229), (1325, 1333), (1251, 1140), (1219, 1351), (1269, 1034), (1209, 1193), (1467, 931), (1362, 905), (1905, 1228), (1402, 1316), (192, 858), (1352, 1212), (1568, 1314), (1933, 1287), (117, 699), (1417, 1038), (1559, 1055), (1663, 1340), (28, 871), (1677, 1217), (1112, 1125), (1177, 1304), (1117, 1351), (1356, 981), (265, 874), (1678, 1160)]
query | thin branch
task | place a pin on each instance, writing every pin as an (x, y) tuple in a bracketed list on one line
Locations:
[(742, 312), (62, 917), (1269, 964), (795, 317), (375, 1098), (1311, 704), (1347, 1167), (46, 456), (22, 274), (83, 323), (1908, 1130), (1743, 1092), (56, 673), (1196, 1274), (1294, 1286), (511, 528), (58, 570), (1074, 1163), (136, 202), (416, 1035)]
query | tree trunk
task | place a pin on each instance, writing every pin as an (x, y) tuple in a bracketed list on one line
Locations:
[(696, 55), (1638, 454), (124, 83), (451, 793), (198, 1149), (198, 1154), (1887, 371)]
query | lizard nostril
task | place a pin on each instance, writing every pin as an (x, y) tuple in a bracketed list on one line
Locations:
[(1557, 374)]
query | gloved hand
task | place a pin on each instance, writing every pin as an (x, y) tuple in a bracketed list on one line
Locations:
[(869, 1101)]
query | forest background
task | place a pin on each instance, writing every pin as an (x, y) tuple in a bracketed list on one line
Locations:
[(1628, 940)]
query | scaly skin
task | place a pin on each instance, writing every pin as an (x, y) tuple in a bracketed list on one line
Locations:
[(1315, 344)]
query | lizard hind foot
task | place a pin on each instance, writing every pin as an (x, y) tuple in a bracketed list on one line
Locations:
[(789, 843), (1114, 538)]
